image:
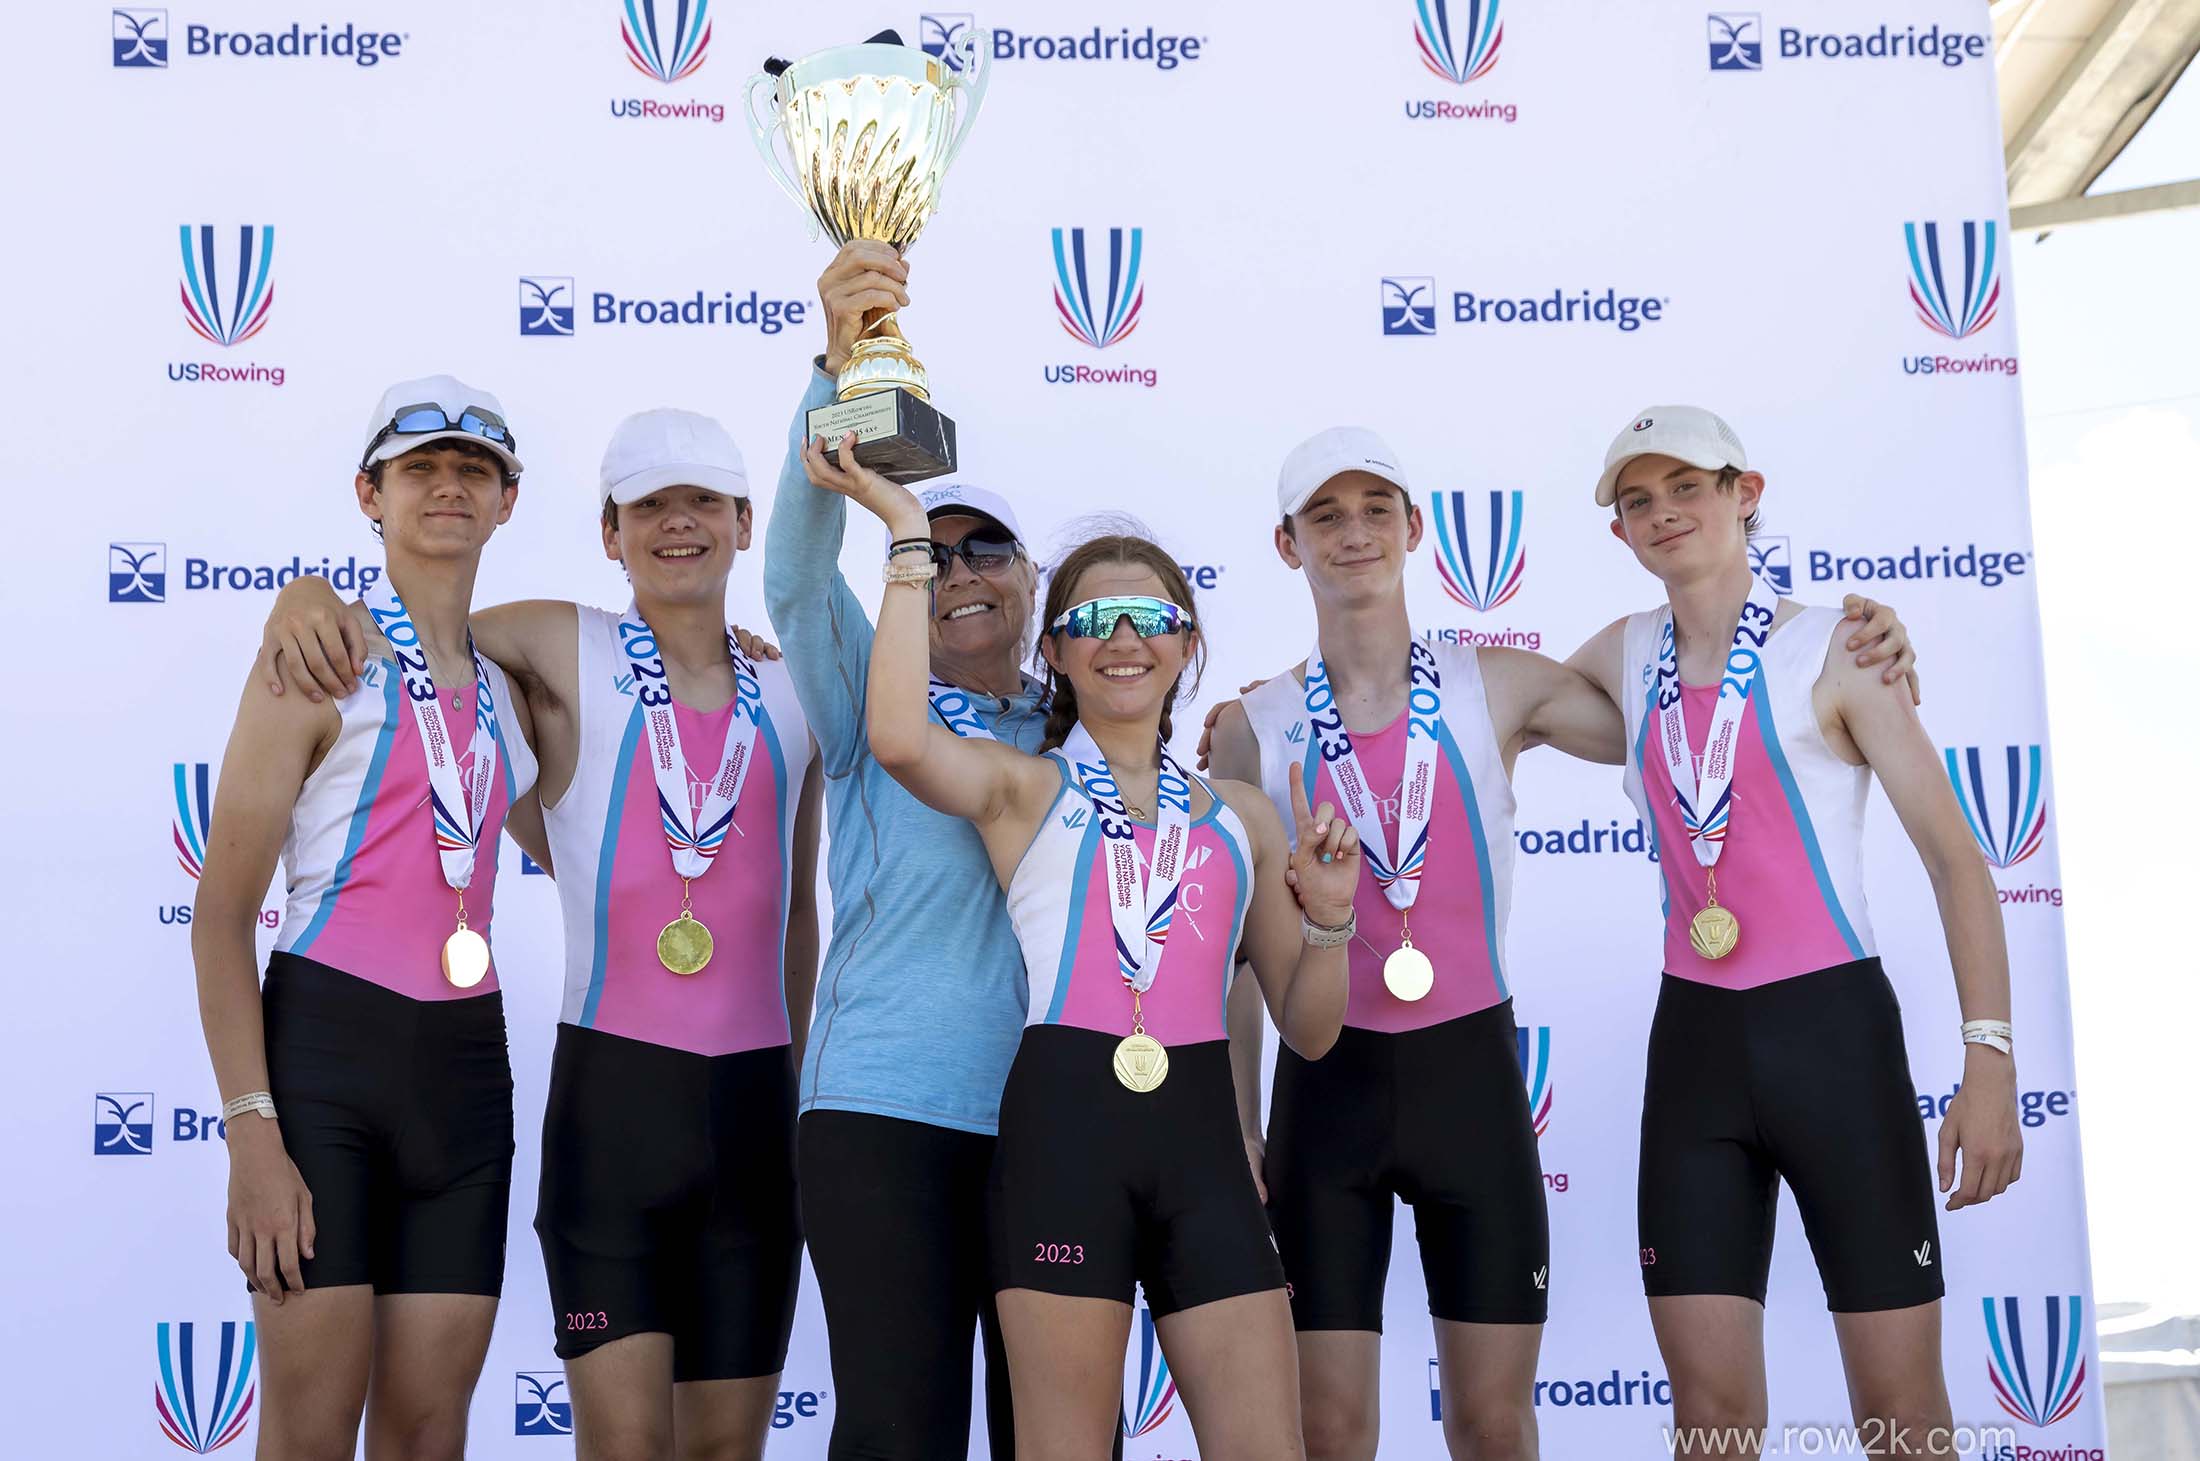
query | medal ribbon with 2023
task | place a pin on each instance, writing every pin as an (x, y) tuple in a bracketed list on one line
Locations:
[(1407, 972), (460, 807), (1707, 802), (694, 836), (1144, 908)]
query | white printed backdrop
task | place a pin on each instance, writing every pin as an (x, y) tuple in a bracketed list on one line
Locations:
[(1325, 224)]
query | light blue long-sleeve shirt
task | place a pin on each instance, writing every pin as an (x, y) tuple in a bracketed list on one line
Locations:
[(921, 996)]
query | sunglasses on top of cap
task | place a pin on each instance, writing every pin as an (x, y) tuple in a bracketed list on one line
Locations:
[(988, 551), (429, 416), (1099, 618)]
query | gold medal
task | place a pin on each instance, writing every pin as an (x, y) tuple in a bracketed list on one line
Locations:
[(1407, 973), (1713, 932), (684, 945), (1141, 1061), (465, 956)]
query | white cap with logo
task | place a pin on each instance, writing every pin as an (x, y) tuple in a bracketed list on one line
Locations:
[(1689, 433), (952, 498), (1327, 453), (455, 397), (668, 447)]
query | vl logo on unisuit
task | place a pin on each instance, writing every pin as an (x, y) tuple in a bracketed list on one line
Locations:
[(1535, 1069), (2008, 813), (1458, 54), (2060, 1364), (250, 296), (176, 1391), (1480, 581), (1073, 296), (541, 1405), (1147, 1406), (194, 815), (1959, 294), (670, 53)]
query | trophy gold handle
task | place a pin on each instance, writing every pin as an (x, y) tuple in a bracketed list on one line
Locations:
[(763, 132), (976, 75)]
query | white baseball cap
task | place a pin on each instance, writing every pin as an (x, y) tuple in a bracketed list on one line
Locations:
[(1327, 453), (951, 498), (1690, 433), (455, 397), (668, 447)]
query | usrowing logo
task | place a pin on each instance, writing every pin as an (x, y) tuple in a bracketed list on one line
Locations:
[(1486, 579), (194, 814), (1104, 317), (1535, 1069), (1147, 1406), (666, 53), (1955, 282), (1460, 47), (2043, 1385), (2003, 798), (226, 299), (180, 1383)]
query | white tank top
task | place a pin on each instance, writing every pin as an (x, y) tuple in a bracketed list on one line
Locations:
[(1792, 871), (1058, 902), (1466, 884), (616, 883)]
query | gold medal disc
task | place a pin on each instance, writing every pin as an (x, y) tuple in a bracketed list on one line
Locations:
[(1141, 1062), (465, 958), (1408, 973), (1714, 932), (685, 944)]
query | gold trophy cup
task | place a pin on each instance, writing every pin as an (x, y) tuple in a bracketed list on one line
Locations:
[(869, 132)]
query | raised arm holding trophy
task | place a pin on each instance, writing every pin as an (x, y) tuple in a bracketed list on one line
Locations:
[(870, 131)]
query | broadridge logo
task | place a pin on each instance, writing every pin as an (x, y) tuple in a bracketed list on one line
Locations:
[(947, 33), (1986, 567), (1738, 43), (547, 306), (143, 36), (138, 573), (1410, 307)]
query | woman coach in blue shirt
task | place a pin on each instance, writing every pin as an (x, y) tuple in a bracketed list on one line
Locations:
[(920, 998)]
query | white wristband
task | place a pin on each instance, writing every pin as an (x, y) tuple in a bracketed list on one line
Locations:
[(1995, 1033), (259, 1101), (1322, 936)]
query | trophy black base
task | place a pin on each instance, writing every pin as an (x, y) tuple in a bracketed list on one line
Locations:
[(898, 435)]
